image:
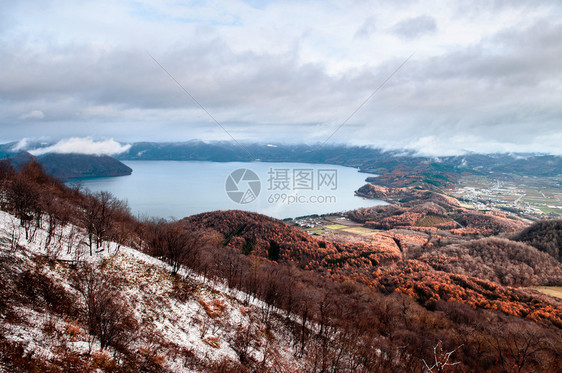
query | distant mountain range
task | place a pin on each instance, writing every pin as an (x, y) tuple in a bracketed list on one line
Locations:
[(366, 158), (396, 168)]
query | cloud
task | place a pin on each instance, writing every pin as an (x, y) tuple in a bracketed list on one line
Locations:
[(368, 27), (34, 114), (83, 146), (415, 27), (465, 143), (21, 145), (288, 71)]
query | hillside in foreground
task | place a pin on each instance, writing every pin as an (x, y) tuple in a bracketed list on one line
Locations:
[(122, 310)]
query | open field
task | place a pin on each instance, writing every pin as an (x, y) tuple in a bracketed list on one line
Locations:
[(319, 231), (335, 226), (553, 291), (361, 230)]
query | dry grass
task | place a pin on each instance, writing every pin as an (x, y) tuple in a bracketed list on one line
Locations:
[(553, 291), (361, 230), (212, 341), (432, 221), (335, 226)]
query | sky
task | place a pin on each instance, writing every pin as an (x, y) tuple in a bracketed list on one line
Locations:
[(436, 77)]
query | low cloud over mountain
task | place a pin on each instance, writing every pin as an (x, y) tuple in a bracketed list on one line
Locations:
[(83, 146)]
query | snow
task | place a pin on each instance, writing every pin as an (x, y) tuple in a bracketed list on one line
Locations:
[(148, 289)]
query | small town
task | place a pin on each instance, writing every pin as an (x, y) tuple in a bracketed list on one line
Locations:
[(534, 198)]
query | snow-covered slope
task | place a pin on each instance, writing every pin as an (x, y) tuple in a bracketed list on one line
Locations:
[(178, 323)]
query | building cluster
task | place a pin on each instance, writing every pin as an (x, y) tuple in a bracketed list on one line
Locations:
[(505, 196)]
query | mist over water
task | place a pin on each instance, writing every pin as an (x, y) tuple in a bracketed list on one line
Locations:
[(178, 189)]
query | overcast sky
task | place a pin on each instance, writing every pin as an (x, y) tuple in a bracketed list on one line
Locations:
[(486, 75)]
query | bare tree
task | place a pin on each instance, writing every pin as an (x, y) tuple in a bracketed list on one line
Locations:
[(22, 197), (98, 213), (56, 216), (88, 217), (7, 172), (516, 350), (441, 359), (107, 314), (244, 340), (14, 233), (175, 244)]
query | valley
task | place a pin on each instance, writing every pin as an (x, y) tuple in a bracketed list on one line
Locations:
[(402, 278)]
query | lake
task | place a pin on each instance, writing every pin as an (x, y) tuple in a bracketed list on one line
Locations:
[(282, 190)]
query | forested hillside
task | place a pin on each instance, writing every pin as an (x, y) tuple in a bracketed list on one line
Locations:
[(66, 166), (545, 236), (87, 287)]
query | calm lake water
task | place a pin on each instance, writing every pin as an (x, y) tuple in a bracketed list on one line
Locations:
[(281, 190)]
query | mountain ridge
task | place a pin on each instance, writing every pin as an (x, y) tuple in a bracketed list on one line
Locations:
[(72, 165)]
